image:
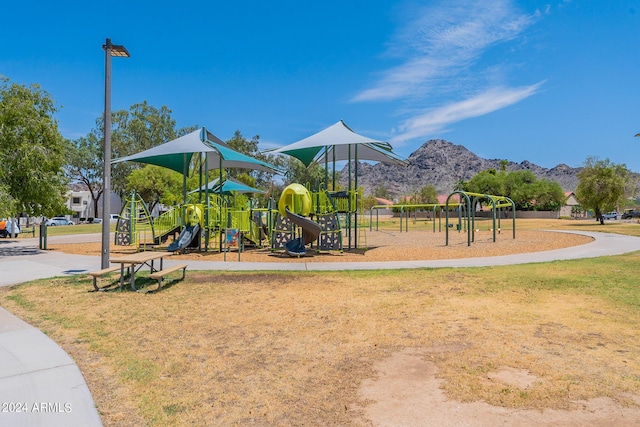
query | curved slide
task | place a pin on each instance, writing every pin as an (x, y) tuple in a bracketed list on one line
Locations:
[(310, 232), (295, 204)]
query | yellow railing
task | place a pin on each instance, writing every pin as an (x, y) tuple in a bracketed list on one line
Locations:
[(325, 202), (168, 221)]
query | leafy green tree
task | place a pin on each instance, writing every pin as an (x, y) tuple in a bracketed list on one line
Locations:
[(549, 195), (296, 171), (489, 181), (32, 150), (380, 191), (369, 201), (521, 186), (631, 188), (601, 185), (250, 148), (136, 130), (459, 185), (428, 194), (8, 205), (155, 185), (140, 128), (84, 164)]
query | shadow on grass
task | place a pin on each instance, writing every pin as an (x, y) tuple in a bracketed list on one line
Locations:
[(144, 285)]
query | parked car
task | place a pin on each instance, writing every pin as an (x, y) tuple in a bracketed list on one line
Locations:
[(610, 215), (58, 220), (630, 214), (90, 220)]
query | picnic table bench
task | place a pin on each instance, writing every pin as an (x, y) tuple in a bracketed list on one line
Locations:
[(132, 263), (100, 273), (159, 275)]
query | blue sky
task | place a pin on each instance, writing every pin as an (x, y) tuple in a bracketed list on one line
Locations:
[(546, 81)]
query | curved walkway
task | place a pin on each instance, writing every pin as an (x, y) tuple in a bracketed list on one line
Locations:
[(41, 385)]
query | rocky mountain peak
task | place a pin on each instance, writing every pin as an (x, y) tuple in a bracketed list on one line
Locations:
[(441, 163)]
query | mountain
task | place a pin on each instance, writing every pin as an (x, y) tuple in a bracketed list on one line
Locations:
[(441, 163)]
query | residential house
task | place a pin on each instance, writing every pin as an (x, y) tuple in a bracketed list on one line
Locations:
[(570, 203)]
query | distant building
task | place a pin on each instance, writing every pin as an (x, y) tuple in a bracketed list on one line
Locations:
[(80, 203), (570, 205), (381, 201)]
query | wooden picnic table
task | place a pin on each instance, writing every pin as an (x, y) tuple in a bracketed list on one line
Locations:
[(134, 262)]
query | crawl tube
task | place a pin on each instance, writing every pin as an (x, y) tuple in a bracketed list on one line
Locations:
[(297, 198), (193, 215)]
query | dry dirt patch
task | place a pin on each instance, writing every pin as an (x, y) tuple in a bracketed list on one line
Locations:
[(406, 392)]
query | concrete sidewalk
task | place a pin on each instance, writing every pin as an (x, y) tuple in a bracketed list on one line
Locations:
[(41, 385)]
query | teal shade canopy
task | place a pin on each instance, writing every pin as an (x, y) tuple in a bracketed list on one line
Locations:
[(338, 142), (228, 187), (177, 154)]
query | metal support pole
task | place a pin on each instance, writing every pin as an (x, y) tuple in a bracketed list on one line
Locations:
[(109, 51), (106, 176)]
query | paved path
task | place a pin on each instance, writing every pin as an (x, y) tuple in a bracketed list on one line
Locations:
[(40, 385)]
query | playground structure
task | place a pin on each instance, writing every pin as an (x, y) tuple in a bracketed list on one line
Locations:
[(337, 213), (210, 218), (465, 210), (472, 200), (300, 218)]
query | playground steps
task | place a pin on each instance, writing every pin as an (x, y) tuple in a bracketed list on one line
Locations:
[(362, 232)]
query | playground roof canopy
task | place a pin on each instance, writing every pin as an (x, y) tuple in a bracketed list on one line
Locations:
[(228, 186), (177, 154), (338, 142)]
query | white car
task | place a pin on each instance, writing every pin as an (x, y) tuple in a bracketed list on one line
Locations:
[(58, 220)]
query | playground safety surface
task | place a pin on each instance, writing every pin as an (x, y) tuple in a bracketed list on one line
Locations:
[(385, 246)]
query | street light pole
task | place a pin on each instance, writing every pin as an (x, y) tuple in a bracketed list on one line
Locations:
[(110, 50)]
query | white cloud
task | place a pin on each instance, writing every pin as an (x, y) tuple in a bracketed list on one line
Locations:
[(443, 59), (440, 43), (437, 119)]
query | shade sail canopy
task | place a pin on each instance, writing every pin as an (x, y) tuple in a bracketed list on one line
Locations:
[(366, 151), (177, 154), (338, 143), (228, 186)]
